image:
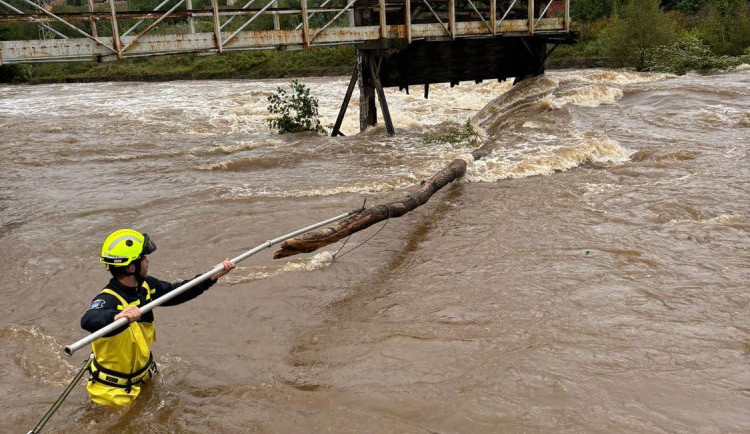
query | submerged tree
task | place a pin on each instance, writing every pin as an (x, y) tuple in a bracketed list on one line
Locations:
[(634, 30), (295, 112)]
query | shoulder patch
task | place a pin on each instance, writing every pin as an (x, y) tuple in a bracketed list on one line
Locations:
[(96, 304)]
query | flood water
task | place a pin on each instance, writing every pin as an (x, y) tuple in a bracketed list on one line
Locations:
[(591, 274)]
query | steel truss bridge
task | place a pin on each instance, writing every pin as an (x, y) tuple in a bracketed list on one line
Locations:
[(35, 31)]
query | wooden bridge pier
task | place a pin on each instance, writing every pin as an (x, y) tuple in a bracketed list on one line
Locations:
[(422, 63)]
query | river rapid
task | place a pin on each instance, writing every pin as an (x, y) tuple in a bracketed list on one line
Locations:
[(590, 274)]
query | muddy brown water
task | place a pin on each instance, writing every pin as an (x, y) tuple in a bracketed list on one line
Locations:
[(589, 275)]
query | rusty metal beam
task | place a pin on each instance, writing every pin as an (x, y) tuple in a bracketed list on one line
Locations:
[(247, 5), (94, 30), (36, 21), (154, 24), (544, 11), (341, 12), (505, 14), (436, 16), (480, 15), (144, 19), (247, 23), (74, 17), (115, 30)]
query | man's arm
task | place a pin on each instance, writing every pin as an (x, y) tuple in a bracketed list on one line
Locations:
[(102, 312), (161, 287)]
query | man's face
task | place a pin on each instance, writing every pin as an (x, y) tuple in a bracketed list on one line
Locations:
[(144, 266)]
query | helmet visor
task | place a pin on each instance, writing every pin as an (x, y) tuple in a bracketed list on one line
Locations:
[(148, 245)]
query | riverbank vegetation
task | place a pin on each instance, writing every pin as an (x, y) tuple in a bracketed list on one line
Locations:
[(668, 35), (674, 36)]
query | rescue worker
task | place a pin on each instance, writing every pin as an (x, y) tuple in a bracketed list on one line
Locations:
[(122, 359)]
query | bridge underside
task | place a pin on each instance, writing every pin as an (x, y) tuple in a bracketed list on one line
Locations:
[(426, 62)]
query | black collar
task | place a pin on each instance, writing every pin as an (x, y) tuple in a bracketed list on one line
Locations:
[(129, 293)]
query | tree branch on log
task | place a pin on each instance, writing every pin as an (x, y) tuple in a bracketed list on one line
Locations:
[(314, 240)]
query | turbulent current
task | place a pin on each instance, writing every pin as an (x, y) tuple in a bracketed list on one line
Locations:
[(590, 274)]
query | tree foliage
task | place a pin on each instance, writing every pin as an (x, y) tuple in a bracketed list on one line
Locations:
[(725, 26), (684, 6), (634, 30), (589, 10), (691, 54), (295, 112)]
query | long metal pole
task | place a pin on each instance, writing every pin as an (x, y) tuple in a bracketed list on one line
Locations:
[(62, 397), (72, 348)]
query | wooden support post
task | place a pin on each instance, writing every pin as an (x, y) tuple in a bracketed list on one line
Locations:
[(407, 20), (94, 31), (305, 24), (567, 15), (276, 24), (493, 16), (368, 115), (345, 104), (217, 26), (375, 73), (383, 30), (191, 21), (116, 43), (452, 18), (531, 16)]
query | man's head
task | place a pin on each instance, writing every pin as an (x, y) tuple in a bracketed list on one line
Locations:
[(124, 253)]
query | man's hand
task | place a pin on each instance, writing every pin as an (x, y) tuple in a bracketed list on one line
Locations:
[(132, 314), (226, 267)]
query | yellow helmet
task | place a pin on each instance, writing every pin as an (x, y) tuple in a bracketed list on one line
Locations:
[(124, 246)]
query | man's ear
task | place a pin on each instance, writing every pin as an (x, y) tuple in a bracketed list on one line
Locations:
[(130, 268)]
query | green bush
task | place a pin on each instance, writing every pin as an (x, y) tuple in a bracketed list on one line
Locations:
[(296, 112), (690, 54)]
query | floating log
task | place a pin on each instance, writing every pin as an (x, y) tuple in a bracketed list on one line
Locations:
[(314, 240)]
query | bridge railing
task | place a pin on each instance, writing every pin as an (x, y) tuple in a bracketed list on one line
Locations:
[(34, 31)]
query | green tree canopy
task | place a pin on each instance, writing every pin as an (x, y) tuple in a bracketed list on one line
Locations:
[(634, 30)]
